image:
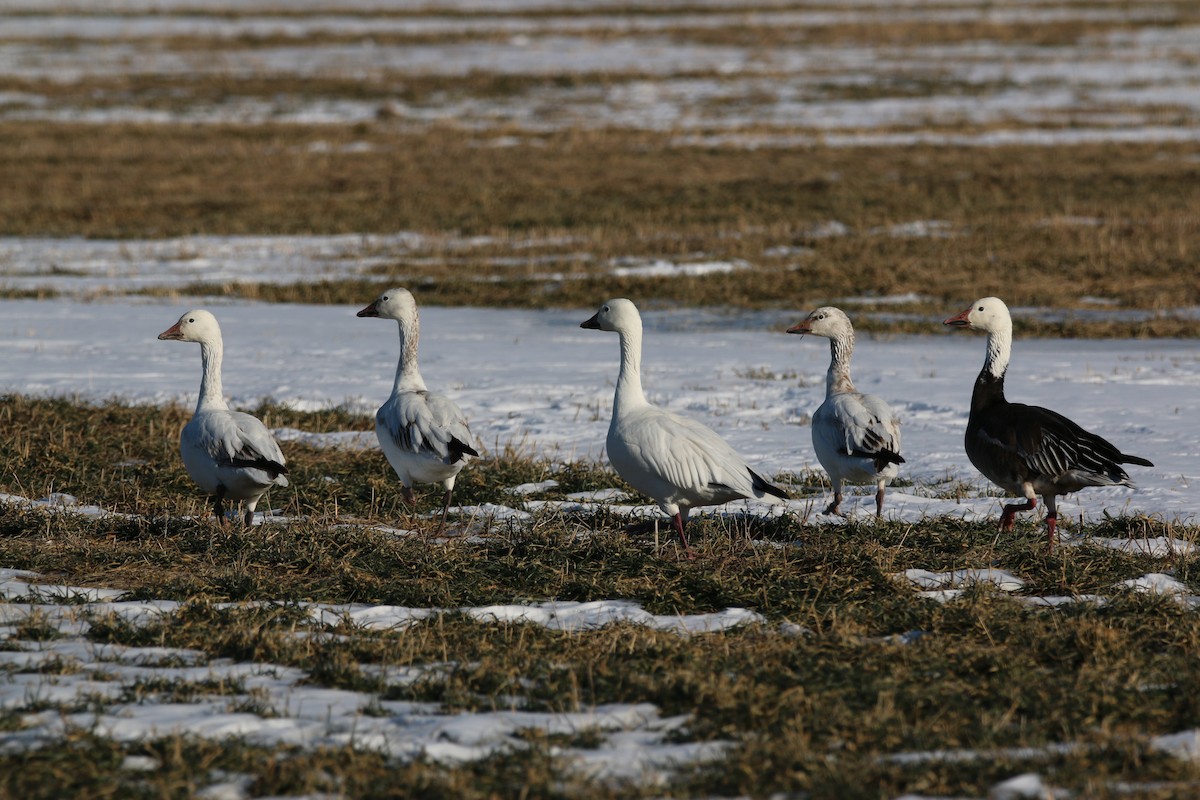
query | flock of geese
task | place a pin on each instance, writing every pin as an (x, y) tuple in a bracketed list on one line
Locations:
[(679, 463)]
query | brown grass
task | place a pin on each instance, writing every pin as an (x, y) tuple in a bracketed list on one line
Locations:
[(1014, 212), (817, 712)]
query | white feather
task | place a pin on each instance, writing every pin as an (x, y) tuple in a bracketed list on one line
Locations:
[(423, 434), (853, 434), (677, 462), (229, 454)]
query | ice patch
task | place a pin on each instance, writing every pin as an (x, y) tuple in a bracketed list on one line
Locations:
[(526, 489), (670, 269), (1002, 580)]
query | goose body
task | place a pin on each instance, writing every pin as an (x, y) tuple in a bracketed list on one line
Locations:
[(1029, 450), (856, 436), (675, 461), (229, 454), (424, 435)]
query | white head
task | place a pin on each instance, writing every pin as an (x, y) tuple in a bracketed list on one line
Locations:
[(194, 326), (618, 315), (826, 321), (988, 314), (397, 304)]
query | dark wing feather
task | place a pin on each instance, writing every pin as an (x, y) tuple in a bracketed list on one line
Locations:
[(870, 428), (1049, 445), (245, 459), (760, 483), (458, 449), (422, 421), (256, 447)]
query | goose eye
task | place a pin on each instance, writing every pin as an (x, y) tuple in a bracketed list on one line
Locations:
[(385, 298), (191, 319), (981, 308)]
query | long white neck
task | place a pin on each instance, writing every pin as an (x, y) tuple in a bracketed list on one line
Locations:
[(999, 349), (408, 376), (212, 395), (837, 380), (629, 392)]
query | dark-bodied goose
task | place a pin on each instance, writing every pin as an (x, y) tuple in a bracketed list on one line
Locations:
[(856, 436), (424, 435), (1027, 450), (229, 454), (677, 462)]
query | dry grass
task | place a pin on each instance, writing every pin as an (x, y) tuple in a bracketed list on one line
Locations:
[(817, 712), (1039, 226)]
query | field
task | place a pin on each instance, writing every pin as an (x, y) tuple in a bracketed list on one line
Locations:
[(729, 168), (843, 678)]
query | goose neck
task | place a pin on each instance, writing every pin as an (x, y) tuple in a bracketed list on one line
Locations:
[(999, 350), (989, 386), (629, 380), (837, 381), (408, 375), (212, 394)]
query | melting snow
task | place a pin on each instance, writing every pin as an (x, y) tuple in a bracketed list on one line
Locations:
[(1111, 86), (1139, 394)]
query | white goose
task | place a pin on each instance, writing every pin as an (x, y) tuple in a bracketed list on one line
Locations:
[(229, 454), (424, 435), (1029, 450), (856, 436), (675, 461)]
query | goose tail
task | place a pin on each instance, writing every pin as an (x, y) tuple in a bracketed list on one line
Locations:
[(1128, 459), (761, 484)]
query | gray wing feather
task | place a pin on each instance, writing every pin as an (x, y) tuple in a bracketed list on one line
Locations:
[(422, 422), (692, 456), (258, 447), (868, 424), (237, 439)]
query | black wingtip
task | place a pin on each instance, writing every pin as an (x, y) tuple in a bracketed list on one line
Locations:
[(760, 483), (272, 468), (879, 458), (459, 449), (1128, 459)]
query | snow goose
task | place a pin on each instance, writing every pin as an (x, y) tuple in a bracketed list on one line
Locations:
[(424, 435), (856, 436), (1027, 450), (675, 461), (229, 454)]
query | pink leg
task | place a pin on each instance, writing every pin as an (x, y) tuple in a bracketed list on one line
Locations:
[(879, 503), (678, 520), (1010, 512), (1051, 518)]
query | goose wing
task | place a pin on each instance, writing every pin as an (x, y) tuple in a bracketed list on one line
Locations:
[(422, 422), (237, 439), (687, 455), (1047, 445), (867, 427)]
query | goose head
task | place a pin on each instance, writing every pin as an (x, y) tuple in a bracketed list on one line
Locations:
[(618, 315), (826, 321), (397, 304), (987, 314), (194, 326)]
